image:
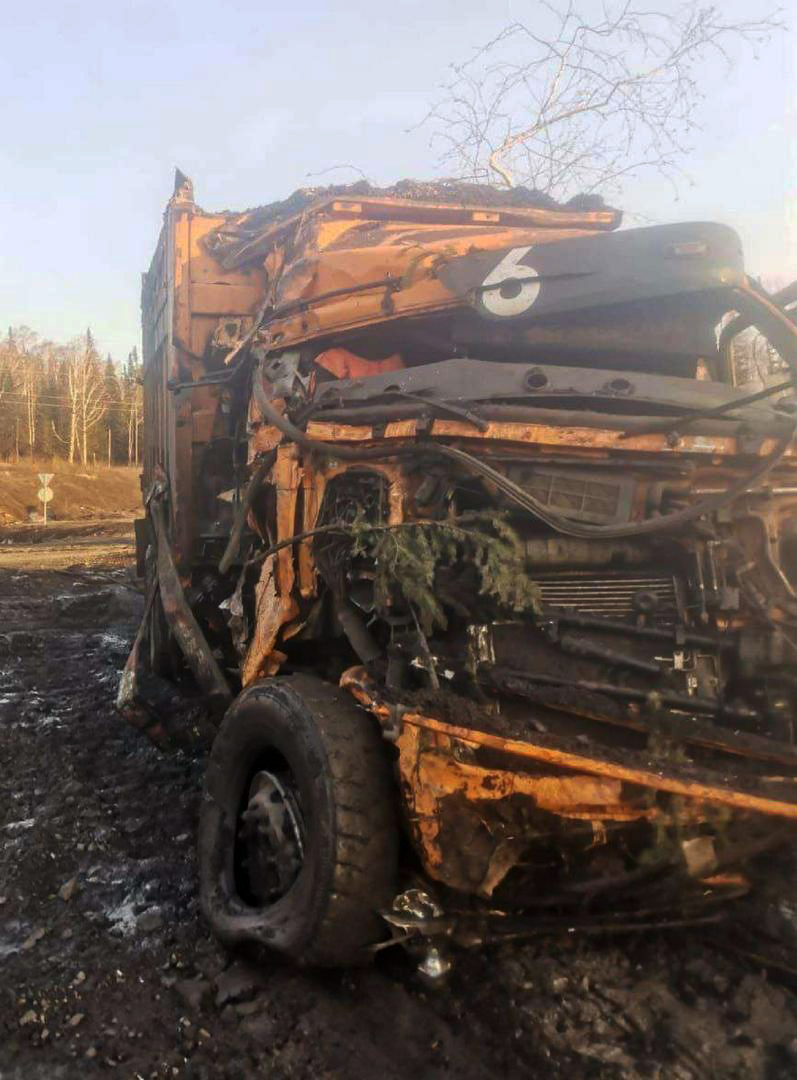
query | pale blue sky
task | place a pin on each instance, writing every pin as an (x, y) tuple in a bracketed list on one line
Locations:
[(99, 101)]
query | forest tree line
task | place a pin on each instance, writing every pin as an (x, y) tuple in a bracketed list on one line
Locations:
[(66, 401)]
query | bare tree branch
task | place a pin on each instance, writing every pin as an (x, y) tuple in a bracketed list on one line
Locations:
[(334, 168), (580, 104)]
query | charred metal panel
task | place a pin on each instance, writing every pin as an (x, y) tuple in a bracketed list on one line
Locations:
[(571, 583), (619, 268), (463, 380)]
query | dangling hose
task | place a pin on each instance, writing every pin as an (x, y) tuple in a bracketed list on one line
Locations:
[(516, 493), (613, 532)]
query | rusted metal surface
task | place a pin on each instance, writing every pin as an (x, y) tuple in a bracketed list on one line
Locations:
[(537, 436), (433, 778), (564, 548), (450, 798), (243, 240), (662, 780), (181, 619), (275, 604)]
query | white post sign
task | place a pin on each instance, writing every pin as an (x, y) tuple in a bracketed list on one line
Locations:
[(45, 494)]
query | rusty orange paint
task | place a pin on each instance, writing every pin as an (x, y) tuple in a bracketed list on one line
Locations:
[(339, 241), (430, 776), (571, 796), (357, 682), (659, 781), (272, 611), (541, 436), (344, 364), (286, 477), (293, 567), (339, 432), (263, 438), (434, 766), (203, 294), (275, 604), (313, 484), (725, 880)]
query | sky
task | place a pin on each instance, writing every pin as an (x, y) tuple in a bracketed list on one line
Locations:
[(100, 101)]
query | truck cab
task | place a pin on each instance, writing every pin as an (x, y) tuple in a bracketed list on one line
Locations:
[(464, 529)]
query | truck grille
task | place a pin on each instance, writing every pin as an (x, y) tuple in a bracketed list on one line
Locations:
[(596, 497), (608, 594)]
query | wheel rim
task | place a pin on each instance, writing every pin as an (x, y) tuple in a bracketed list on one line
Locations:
[(271, 837)]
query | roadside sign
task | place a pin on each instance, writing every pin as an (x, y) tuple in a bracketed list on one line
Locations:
[(44, 492)]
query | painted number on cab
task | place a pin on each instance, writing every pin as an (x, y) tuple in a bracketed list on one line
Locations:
[(510, 288)]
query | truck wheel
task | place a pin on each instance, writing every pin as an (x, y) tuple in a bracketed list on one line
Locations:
[(298, 833)]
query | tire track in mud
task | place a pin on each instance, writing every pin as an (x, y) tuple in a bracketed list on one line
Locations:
[(107, 968)]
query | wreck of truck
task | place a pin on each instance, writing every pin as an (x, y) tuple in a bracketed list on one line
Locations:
[(461, 526)]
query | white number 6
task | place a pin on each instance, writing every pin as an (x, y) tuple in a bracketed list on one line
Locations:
[(507, 290)]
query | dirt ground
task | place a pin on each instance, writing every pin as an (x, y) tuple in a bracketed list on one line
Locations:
[(79, 491), (108, 970)]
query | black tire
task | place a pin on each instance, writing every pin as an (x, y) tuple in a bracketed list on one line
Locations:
[(339, 762)]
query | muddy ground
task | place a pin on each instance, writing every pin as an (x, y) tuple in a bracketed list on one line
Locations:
[(108, 970)]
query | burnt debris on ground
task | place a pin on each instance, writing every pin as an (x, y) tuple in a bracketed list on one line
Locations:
[(107, 968)]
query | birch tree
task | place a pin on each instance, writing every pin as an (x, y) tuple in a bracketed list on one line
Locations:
[(86, 395), (30, 350), (579, 96)]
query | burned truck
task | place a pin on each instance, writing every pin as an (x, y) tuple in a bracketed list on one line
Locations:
[(474, 556)]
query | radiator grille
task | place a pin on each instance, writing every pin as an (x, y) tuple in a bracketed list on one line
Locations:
[(597, 497), (607, 594)]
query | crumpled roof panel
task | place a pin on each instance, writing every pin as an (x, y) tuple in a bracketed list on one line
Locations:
[(236, 241)]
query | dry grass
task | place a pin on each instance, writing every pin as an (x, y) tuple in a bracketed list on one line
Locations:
[(78, 492)]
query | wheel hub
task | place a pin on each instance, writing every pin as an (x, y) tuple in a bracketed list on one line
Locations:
[(272, 834)]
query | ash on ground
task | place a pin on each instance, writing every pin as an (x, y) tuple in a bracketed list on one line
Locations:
[(107, 968)]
